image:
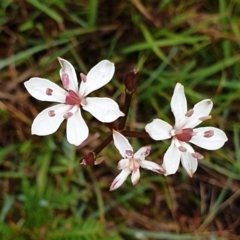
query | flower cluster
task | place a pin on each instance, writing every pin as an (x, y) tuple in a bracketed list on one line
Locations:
[(72, 99)]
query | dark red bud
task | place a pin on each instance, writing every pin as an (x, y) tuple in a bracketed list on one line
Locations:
[(89, 159), (130, 80)]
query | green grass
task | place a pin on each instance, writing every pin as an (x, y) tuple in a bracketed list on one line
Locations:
[(45, 193)]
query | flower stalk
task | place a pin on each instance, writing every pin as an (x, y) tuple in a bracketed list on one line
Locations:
[(129, 80)]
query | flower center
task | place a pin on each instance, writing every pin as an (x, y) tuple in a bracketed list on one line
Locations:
[(184, 135), (133, 164), (72, 98)]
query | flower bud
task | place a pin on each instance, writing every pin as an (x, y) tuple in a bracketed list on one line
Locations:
[(130, 80), (89, 159)]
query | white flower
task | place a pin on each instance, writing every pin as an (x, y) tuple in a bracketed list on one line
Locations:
[(72, 99), (183, 131), (131, 162)]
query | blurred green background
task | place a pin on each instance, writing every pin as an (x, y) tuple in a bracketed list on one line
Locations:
[(45, 193)]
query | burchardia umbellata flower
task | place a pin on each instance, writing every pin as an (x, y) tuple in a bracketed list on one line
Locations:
[(183, 132), (131, 161), (72, 99)]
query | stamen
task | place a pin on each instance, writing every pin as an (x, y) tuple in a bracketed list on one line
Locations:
[(197, 155), (67, 115), (205, 118), (51, 113), (49, 91), (189, 113), (208, 134), (83, 77), (147, 152), (65, 81), (129, 153), (182, 149)]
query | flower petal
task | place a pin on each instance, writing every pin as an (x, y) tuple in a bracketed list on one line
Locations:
[(187, 146), (121, 143), (67, 68), (201, 109), (152, 166), (159, 129), (142, 153), (45, 90), (44, 124), (189, 162), (77, 129), (178, 103), (97, 77), (121, 177), (123, 163), (135, 176), (171, 159), (104, 109), (210, 143)]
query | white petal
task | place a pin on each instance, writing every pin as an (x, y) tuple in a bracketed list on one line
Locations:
[(187, 146), (104, 109), (171, 159), (159, 129), (152, 166), (179, 103), (118, 181), (201, 109), (77, 129), (37, 87), (209, 143), (97, 77), (189, 163), (121, 143), (135, 176), (142, 153), (68, 69), (123, 163), (44, 125)]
